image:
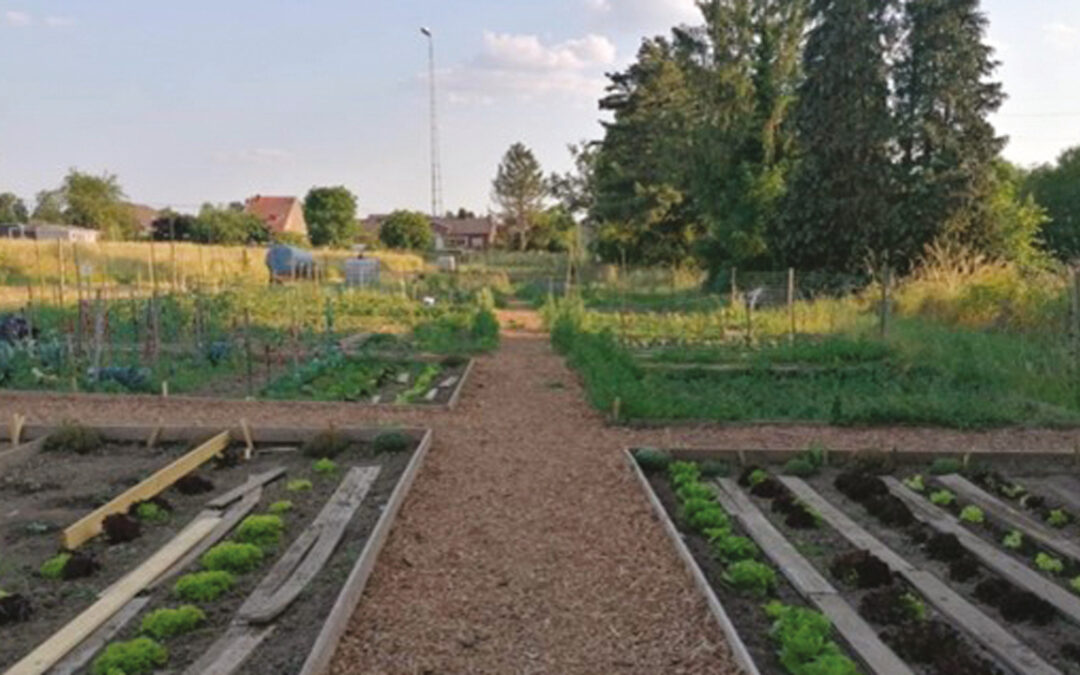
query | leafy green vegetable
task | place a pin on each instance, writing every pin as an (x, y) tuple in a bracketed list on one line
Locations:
[(203, 586), (280, 507), (298, 485), (136, 657), (751, 576), (945, 465), (729, 548), (165, 623), (149, 512), (233, 557), (1058, 518), (652, 460), (325, 467), (943, 498), (1048, 563), (916, 483), (261, 530), (53, 568), (972, 514), (1013, 540)]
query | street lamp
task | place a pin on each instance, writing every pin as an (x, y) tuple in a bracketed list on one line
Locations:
[(436, 169)]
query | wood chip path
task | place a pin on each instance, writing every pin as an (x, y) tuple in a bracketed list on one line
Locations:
[(525, 546)]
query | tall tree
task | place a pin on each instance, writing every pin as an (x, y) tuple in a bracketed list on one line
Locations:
[(98, 202), (407, 230), (1057, 189), (839, 205), (948, 147), (330, 213), (12, 209), (49, 206), (519, 190), (228, 225)]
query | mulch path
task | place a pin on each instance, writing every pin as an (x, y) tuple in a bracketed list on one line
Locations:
[(525, 545)]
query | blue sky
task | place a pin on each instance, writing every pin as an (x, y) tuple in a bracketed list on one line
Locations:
[(217, 100)]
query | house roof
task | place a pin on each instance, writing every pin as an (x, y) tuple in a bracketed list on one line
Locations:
[(274, 211), (465, 227), (144, 214)]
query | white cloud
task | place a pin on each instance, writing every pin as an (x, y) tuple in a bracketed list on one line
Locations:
[(18, 19), (647, 15), (1062, 36), (59, 21), (523, 66), (252, 156)]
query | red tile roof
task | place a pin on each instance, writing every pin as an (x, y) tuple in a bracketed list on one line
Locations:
[(274, 211), (465, 227)]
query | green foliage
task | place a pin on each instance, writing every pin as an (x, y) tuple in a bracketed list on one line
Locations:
[(390, 442), (712, 468), (757, 477), (53, 568), (407, 230), (694, 491), (1057, 188), (97, 202), (298, 485), (751, 576), (805, 643), (914, 607), (944, 466), (224, 225), (150, 512), (704, 514), (13, 209), (1048, 563), (165, 623), (280, 507), (915, 483), (326, 443), (729, 548), (233, 557), (652, 460), (485, 329), (683, 473), (1058, 518), (1014, 540), (800, 467), (73, 437), (972, 514), (519, 189), (942, 498), (1075, 584), (325, 467), (261, 530), (330, 213), (203, 587), (135, 657)]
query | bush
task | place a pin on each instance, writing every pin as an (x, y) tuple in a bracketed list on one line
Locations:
[(712, 468), (72, 437), (485, 329), (972, 514), (391, 442), (53, 568), (203, 586), (138, 656), (164, 623), (233, 557), (652, 460), (298, 485), (151, 513), (280, 507), (264, 531), (945, 465), (328, 443), (751, 576)]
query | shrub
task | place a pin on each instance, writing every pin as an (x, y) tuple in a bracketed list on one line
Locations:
[(652, 460), (138, 656), (943, 498), (485, 329), (298, 485), (916, 483), (391, 442), (945, 465), (751, 576), (280, 507), (233, 557), (1057, 518), (203, 586), (53, 568), (712, 468), (800, 467), (264, 531), (325, 467), (328, 443), (1048, 563), (972, 514), (72, 437), (151, 513), (1013, 540), (165, 623)]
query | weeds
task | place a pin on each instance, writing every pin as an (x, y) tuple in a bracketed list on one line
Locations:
[(75, 438)]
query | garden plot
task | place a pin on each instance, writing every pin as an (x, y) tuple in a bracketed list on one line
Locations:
[(956, 565), (159, 545)]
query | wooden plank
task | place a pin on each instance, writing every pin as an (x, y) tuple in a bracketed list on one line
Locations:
[(192, 434), (858, 634), (253, 482), (81, 656), (90, 525), (19, 453), (1066, 489), (229, 653), (322, 652), (1005, 565), (119, 594), (271, 597), (455, 397), (972, 621), (1046, 536)]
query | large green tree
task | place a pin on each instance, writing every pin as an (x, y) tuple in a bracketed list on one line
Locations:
[(948, 148), (98, 202), (1056, 187), (840, 200), (12, 209), (228, 225), (49, 206), (407, 230), (330, 213), (519, 189)]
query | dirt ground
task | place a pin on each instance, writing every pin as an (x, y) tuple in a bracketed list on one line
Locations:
[(525, 545)]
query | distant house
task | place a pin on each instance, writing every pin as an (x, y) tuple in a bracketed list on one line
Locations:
[(476, 234), (145, 216), (49, 231), (279, 214)]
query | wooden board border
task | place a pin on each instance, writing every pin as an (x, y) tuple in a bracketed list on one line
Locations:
[(322, 652), (903, 457), (735, 643), (194, 434)]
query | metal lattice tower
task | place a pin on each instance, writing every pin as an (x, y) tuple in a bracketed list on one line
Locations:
[(436, 163)]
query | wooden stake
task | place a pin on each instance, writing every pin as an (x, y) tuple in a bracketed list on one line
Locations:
[(249, 447), (791, 299), (154, 437), (165, 389), (17, 422)]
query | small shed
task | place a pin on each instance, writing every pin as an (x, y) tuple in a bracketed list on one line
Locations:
[(289, 262), (362, 272)]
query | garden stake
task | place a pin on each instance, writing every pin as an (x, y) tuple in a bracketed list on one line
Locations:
[(249, 446), (247, 351), (17, 422)]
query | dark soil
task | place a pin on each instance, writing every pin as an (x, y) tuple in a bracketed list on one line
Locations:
[(937, 644), (79, 566), (965, 569), (862, 569), (770, 488), (121, 528), (14, 609), (193, 484), (1071, 652), (889, 510), (945, 547), (796, 514), (885, 606), (860, 486)]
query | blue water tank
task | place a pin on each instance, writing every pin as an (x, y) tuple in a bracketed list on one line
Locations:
[(286, 262)]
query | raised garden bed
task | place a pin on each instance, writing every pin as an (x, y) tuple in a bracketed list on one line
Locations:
[(297, 531), (838, 526)]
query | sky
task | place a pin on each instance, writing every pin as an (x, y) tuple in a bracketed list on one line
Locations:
[(217, 100)]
